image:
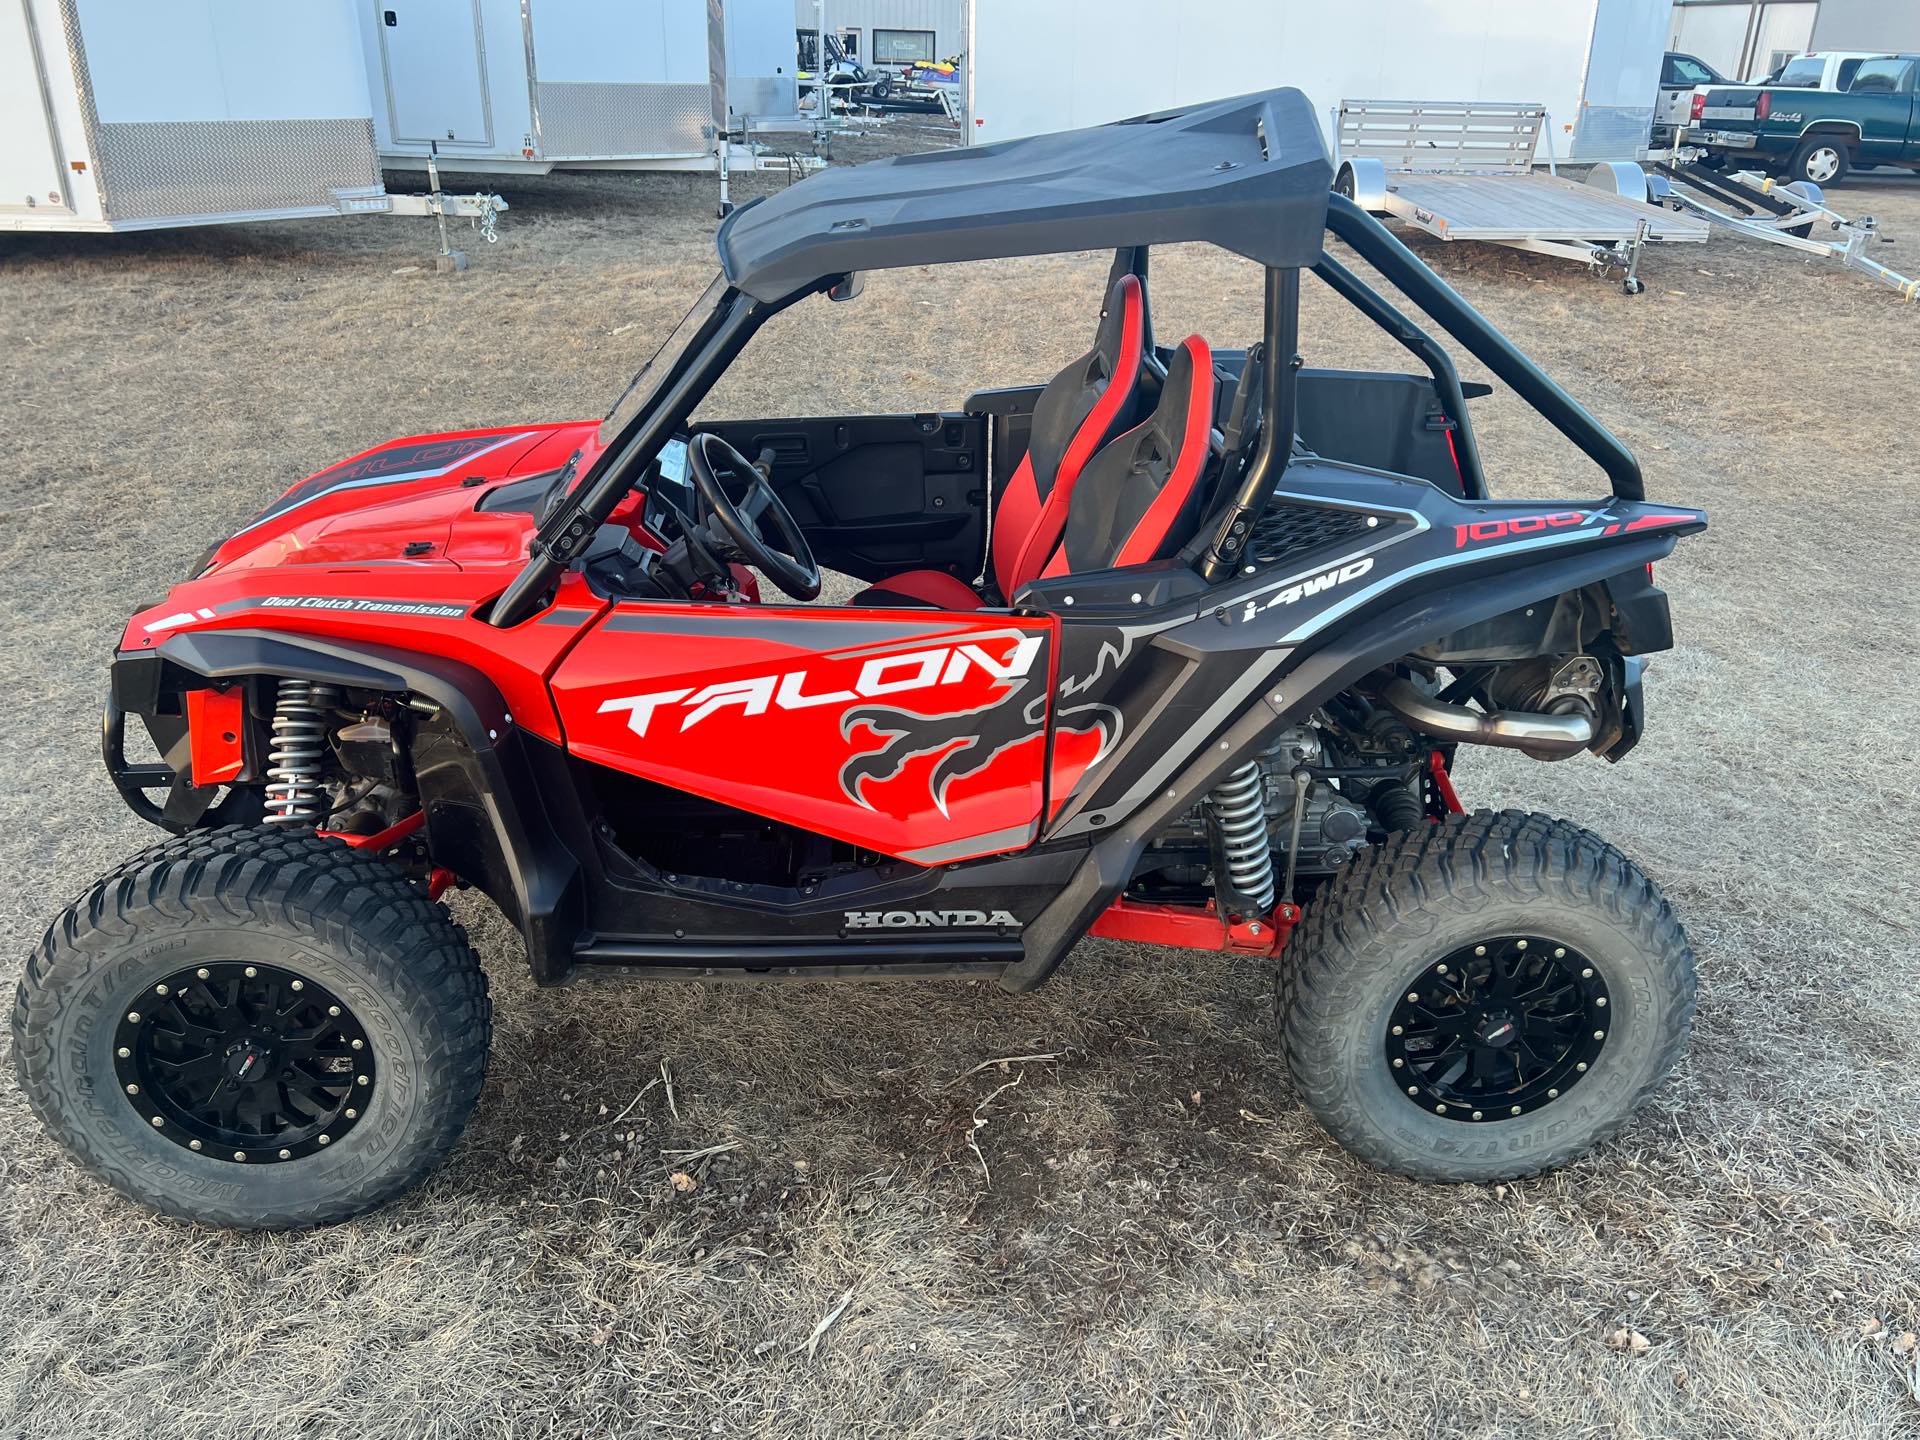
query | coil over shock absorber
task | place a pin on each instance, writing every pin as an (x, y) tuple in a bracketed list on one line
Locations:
[(299, 744), (1238, 805)]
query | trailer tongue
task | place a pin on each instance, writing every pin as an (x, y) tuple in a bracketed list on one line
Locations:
[(1463, 170)]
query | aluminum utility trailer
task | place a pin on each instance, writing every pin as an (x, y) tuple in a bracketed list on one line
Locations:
[(1794, 215), (125, 115), (1463, 170)]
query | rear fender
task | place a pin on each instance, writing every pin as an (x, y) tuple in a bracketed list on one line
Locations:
[(1294, 681), (485, 819)]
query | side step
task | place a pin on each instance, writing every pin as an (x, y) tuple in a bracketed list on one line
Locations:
[(802, 960)]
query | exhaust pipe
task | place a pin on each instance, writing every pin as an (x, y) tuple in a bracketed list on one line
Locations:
[(1547, 737)]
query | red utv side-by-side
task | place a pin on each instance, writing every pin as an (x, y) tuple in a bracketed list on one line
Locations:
[(1178, 646)]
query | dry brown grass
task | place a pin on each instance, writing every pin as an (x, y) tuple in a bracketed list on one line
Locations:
[(1166, 1246)]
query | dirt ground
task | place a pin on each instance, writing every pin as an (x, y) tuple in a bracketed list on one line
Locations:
[(1153, 1238)]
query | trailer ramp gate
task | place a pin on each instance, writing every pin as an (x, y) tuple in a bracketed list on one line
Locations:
[(1463, 170)]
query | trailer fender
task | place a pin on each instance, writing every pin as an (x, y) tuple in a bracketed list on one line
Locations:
[(1622, 178), (1363, 180)]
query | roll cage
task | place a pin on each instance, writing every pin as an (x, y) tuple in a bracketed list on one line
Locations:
[(1278, 209)]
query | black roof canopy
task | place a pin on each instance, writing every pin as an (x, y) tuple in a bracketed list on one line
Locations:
[(1248, 174)]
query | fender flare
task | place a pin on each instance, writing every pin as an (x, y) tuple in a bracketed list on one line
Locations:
[(485, 818)]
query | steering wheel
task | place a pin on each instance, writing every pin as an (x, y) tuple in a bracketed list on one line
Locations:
[(789, 563)]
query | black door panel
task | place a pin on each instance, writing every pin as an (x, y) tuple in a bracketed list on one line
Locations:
[(879, 494)]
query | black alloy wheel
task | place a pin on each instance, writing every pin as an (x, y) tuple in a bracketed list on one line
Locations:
[(1498, 1028), (244, 1063)]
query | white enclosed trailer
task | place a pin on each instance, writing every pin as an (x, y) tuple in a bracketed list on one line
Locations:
[(534, 85), (131, 115), (1594, 65)]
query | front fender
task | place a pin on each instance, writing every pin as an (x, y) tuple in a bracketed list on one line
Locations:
[(485, 819)]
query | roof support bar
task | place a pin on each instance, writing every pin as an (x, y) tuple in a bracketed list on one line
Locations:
[(1381, 249), (1370, 303), (1279, 392)]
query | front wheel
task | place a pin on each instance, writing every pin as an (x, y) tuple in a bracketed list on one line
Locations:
[(255, 1028), (1485, 998)]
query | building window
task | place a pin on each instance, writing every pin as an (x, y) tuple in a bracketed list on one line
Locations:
[(902, 47)]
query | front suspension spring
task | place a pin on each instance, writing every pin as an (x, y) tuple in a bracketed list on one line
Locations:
[(299, 745)]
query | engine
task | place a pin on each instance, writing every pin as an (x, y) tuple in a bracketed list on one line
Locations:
[(1318, 794)]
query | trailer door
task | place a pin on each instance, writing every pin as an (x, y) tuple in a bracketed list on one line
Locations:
[(433, 55), (32, 178)]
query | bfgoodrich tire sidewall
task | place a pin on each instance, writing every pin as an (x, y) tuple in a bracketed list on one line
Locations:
[(1587, 1109), (82, 1099)]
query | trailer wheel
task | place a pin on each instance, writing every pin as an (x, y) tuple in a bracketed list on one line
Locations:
[(254, 1028), (1484, 998), (1820, 160)]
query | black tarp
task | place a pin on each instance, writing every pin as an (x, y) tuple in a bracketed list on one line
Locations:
[(1248, 174)]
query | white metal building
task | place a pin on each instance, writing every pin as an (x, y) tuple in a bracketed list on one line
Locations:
[(126, 115), (1749, 38), (1594, 64), (892, 32)]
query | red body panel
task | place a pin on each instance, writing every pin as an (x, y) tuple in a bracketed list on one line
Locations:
[(913, 734), (216, 731)]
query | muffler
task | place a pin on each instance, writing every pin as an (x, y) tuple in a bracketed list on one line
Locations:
[(1547, 737)]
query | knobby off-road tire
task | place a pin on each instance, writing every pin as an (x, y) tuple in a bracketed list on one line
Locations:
[(1408, 904), (288, 903)]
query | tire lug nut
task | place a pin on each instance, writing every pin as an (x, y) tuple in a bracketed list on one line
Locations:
[(1587, 974), (353, 1114), (1440, 1109), (1521, 945), (299, 984), (133, 1089), (1599, 1034), (203, 972), (1581, 1066), (158, 1122), (1600, 1003), (1559, 952), (159, 989), (1514, 1111), (359, 1044), (326, 1139), (1478, 1116), (334, 1010), (240, 1155), (133, 1017), (1413, 997), (1442, 969), (361, 1080), (1553, 1094), (286, 1154), (251, 972), (1479, 949), (1398, 1063), (1399, 1029), (1413, 1089), (123, 1052), (193, 1145)]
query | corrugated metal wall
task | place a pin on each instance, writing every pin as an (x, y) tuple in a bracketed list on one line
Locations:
[(946, 18)]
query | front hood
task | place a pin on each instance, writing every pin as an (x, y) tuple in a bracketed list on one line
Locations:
[(398, 500)]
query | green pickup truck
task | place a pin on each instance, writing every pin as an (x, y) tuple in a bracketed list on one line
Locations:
[(1816, 135)]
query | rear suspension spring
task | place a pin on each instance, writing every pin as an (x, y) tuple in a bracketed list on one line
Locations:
[(299, 745), (1239, 807)]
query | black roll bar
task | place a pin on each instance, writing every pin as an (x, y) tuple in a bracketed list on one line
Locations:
[(1446, 378), (1279, 401), (1402, 268)]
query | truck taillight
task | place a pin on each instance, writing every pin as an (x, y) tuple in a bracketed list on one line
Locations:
[(1763, 106), (1699, 104)]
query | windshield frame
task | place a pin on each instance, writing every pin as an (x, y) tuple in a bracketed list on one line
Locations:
[(651, 378)]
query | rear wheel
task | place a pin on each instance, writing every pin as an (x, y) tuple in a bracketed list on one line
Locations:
[(1820, 160), (254, 1027), (1485, 998)]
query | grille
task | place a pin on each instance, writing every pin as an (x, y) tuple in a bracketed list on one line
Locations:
[(1286, 531)]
